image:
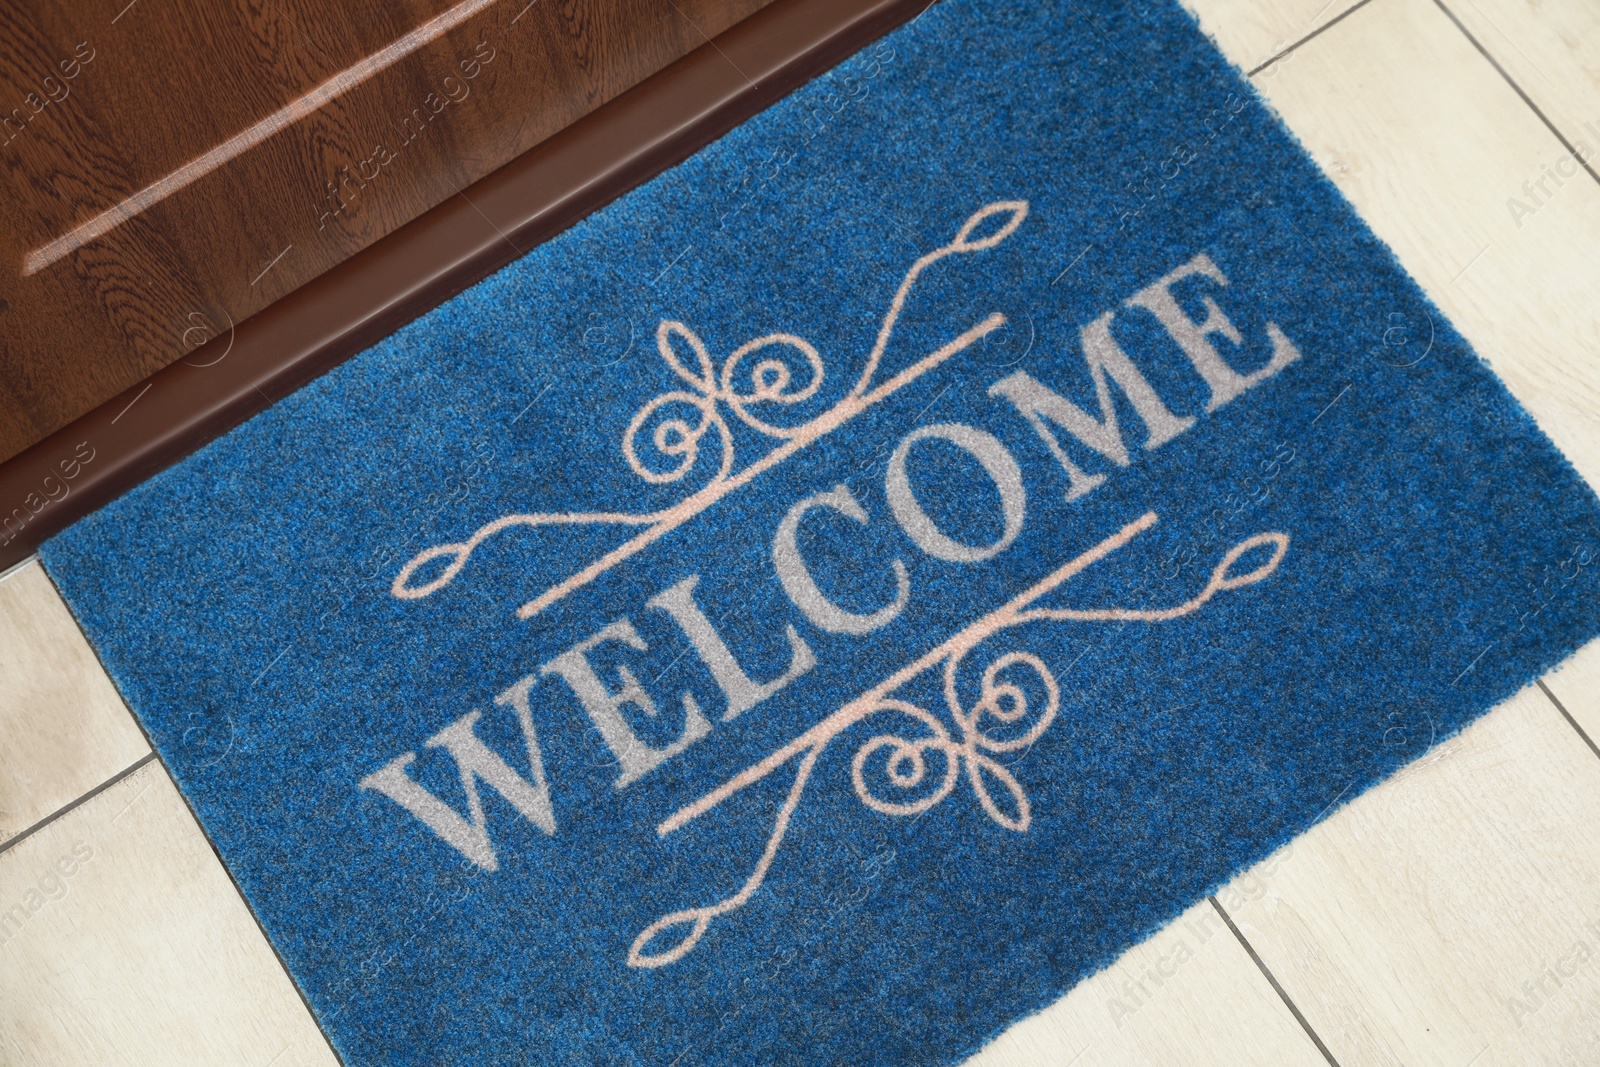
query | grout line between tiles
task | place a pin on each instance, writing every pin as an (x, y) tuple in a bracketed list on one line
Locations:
[(1526, 99), (1565, 714), (84, 799), (1276, 986), (1326, 26)]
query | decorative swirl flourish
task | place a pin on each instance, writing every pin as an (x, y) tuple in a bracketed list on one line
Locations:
[(905, 765), (971, 745), (675, 425), (770, 381)]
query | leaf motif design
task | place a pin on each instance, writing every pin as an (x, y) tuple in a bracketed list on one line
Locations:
[(1018, 813), (698, 920), (705, 381), (1011, 211)]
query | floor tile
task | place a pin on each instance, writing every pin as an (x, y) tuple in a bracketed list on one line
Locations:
[(123, 942), (63, 728)]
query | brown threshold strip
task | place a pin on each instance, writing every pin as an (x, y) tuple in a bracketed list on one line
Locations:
[(644, 131)]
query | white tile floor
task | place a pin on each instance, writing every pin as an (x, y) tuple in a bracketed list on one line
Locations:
[(1449, 917)]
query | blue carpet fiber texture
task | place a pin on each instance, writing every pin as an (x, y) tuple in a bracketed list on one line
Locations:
[(845, 592)]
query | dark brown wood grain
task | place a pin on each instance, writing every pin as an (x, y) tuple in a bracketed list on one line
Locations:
[(99, 99), (422, 263)]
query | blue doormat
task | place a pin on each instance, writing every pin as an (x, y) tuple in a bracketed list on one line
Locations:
[(831, 601)]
